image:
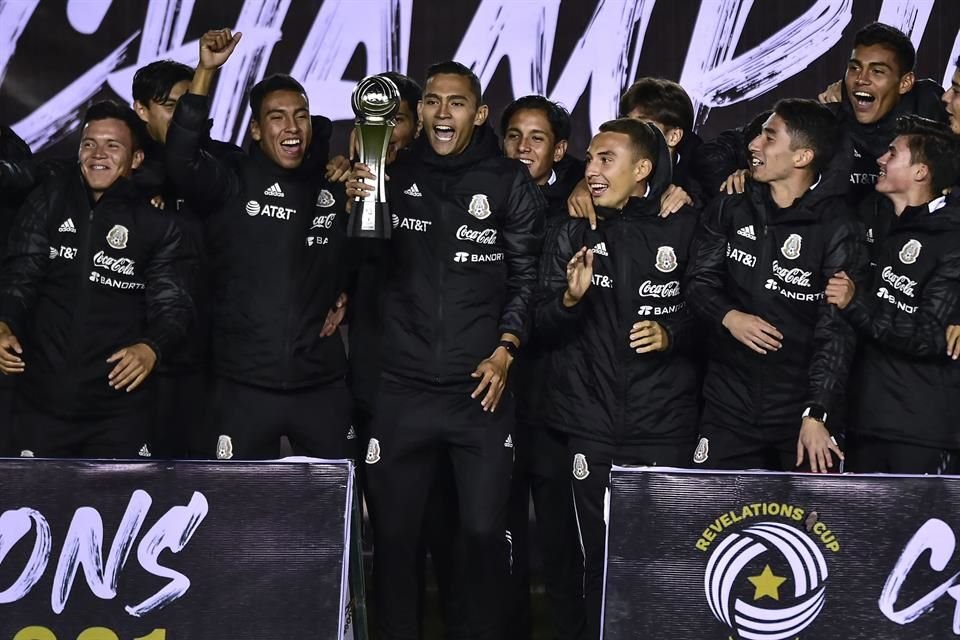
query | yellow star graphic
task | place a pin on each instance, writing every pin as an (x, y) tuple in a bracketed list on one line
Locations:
[(766, 584)]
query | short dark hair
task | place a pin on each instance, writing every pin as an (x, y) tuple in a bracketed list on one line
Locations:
[(812, 125), (890, 38), (643, 137), (557, 116), (662, 100), (455, 68), (111, 109), (154, 81), (410, 91), (276, 82), (932, 143)]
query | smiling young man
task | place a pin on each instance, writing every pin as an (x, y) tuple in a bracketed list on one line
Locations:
[(91, 298), (904, 389), (181, 379), (878, 87), (779, 355), (535, 131), (275, 237), (463, 267), (623, 383)]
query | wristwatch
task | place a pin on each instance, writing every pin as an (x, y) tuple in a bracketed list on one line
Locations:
[(510, 347), (816, 412)]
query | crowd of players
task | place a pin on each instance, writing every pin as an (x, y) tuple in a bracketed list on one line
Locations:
[(782, 297)]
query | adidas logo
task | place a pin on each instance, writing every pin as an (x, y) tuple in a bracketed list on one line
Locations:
[(67, 226), (413, 191), (508, 443), (351, 433), (601, 249), (747, 232), (145, 452), (274, 190)]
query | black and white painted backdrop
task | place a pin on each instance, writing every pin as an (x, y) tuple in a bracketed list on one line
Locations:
[(734, 57)]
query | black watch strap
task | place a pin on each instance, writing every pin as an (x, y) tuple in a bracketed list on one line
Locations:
[(510, 347)]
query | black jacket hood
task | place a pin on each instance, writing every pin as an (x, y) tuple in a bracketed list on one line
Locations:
[(659, 180)]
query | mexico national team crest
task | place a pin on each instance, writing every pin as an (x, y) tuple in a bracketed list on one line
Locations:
[(666, 259), (479, 206), (117, 237), (325, 199), (910, 252), (373, 451), (224, 448), (766, 576), (791, 248), (580, 467)]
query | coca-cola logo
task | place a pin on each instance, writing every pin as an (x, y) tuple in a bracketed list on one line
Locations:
[(480, 236), (123, 266), (795, 276), (323, 222), (898, 282), (663, 290)]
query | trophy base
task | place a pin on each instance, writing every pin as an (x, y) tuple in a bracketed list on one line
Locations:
[(370, 219)]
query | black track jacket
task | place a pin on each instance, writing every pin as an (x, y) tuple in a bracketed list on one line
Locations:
[(905, 387), (81, 281), (276, 240), (600, 388), (756, 258), (462, 259)]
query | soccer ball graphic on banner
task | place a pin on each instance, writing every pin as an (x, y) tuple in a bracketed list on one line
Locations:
[(783, 605)]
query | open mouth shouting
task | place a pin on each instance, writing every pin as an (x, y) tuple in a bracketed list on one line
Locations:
[(443, 132), (863, 101), (292, 146)]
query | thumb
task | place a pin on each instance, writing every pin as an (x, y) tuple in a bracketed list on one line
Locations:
[(15, 344), (236, 38), (117, 356), (592, 217)]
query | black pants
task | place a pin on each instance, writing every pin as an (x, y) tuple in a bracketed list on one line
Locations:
[(591, 462), (180, 400), (541, 472), (247, 422), (875, 455), (6, 416), (43, 435), (771, 449), (412, 428)]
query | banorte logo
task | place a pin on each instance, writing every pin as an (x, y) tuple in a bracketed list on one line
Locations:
[(766, 576)]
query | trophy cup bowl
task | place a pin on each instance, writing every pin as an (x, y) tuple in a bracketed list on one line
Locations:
[(375, 101)]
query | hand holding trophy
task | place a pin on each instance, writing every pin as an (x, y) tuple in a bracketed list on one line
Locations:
[(376, 101)]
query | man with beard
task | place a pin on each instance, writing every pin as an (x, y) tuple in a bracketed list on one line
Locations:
[(463, 270), (181, 379), (535, 132), (779, 355), (623, 385), (16, 180), (91, 285), (275, 238), (904, 389)]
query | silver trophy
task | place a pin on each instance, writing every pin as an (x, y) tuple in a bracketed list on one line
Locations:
[(376, 101)]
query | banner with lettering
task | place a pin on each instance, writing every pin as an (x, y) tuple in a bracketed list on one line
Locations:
[(173, 551), (771, 556), (734, 57)]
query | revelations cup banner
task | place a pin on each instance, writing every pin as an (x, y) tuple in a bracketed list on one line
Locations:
[(764, 556), (163, 551)]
